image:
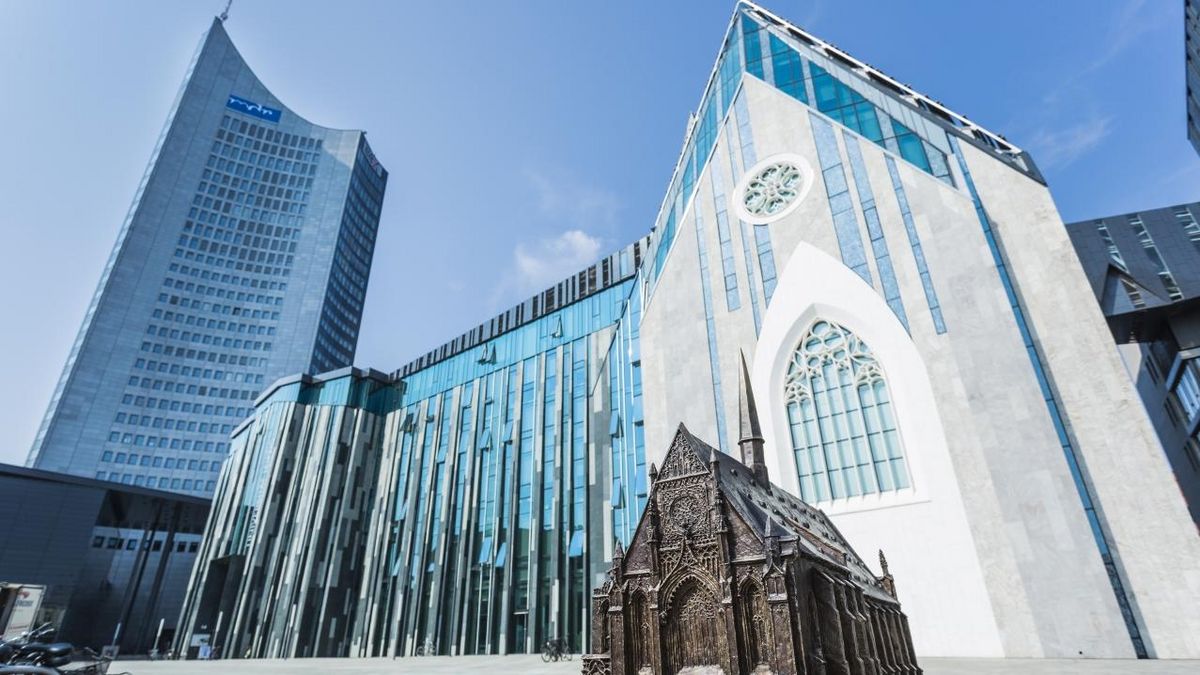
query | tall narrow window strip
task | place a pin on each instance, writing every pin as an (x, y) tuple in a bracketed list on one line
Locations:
[(725, 237), (731, 68), (914, 242), (1160, 267), (841, 204), (1187, 389), (711, 331), (745, 134), (866, 198), (752, 46), (744, 141), (766, 260), (1114, 253), (844, 435), (1190, 227)]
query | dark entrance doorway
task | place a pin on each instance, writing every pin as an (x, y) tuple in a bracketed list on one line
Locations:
[(694, 631)]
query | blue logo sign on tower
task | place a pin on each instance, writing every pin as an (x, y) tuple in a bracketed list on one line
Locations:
[(251, 108)]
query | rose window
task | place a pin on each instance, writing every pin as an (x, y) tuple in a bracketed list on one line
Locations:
[(772, 189)]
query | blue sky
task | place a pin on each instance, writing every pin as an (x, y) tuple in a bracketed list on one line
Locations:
[(524, 140)]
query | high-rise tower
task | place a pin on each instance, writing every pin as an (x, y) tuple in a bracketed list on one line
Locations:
[(1191, 42), (245, 256)]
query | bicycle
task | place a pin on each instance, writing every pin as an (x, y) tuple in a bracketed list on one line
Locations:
[(426, 648), (555, 649)]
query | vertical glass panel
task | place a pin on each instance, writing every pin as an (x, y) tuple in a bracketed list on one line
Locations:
[(911, 147), (752, 46), (787, 69), (1147, 242)]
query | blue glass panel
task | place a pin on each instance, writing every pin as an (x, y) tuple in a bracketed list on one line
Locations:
[(737, 164), (826, 89), (766, 260), (841, 206), (724, 237), (914, 242), (689, 172), (752, 46), (730, 69), (868, 122), (911, 146), (787, 69), (883, 261), (614, 424)]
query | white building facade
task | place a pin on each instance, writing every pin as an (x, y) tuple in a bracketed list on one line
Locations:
[(931, 368)]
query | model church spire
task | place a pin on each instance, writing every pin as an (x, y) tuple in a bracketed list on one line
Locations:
[(750, 438)]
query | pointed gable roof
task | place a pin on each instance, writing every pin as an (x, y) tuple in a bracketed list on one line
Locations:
[(1116, 296), (766, 509)]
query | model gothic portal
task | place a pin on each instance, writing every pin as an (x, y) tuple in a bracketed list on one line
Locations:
[(728, 573)]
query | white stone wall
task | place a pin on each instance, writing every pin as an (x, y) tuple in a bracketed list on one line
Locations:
[(1155, 541)]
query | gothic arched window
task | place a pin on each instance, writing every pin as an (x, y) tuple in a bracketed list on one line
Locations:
[(843, 429)]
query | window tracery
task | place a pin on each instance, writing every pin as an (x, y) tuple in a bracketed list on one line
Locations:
[(773, 189), (839, 410)]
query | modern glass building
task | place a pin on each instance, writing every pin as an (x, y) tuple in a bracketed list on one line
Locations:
[(244, 257), (930, 367), (1145, 271), (466, 503)]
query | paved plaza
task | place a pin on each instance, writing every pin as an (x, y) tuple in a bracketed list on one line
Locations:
[(533, 665)]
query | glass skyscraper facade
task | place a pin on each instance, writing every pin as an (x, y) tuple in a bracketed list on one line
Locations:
[(930, 368), (244, 257)]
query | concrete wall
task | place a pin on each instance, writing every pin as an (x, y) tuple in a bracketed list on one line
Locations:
[(1123, 462)]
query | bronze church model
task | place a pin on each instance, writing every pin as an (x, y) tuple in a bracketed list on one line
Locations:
[(728, 573)]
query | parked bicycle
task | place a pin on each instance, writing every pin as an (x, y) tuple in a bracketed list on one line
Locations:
[(555, 649), (426, 648), (34, 653)]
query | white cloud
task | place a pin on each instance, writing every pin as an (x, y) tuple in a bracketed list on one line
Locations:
[(812, 14), (1059, 147), (572, 203), (539, 265), (584, 220), (1132, 20)]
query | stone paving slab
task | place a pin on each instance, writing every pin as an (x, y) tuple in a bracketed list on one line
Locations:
[(532, 665)]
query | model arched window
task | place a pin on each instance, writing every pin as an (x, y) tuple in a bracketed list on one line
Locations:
[(843, 429)]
